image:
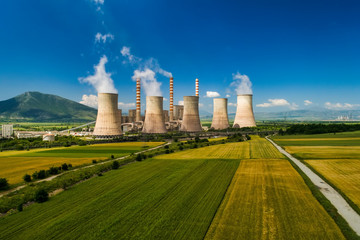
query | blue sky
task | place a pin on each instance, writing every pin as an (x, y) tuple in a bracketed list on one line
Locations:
[(292, 51)]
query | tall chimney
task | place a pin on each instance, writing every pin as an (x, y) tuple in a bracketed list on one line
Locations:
[(220, 116), (108, 121), (244, 112), (138, 102), (191, 119), (171, 108), (197, 87), (154, 116)]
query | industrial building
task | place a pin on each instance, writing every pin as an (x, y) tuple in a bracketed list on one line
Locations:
[(191, 118), (7, 131), (154, 116), (220, 115), (244, 112)]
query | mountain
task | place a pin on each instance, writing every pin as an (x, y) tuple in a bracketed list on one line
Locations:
[(36, 106)]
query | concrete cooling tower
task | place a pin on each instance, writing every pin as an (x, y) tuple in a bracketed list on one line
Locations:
[(220, 116), (154, 116), (244, 112), (108, 121), (191, 119)]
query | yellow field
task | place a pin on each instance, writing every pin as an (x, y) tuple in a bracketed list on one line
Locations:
[(315, 139), (343, 173), (325, 152), (261, 148), (222, 151), (14, 168), (217, 139), (269, 200)]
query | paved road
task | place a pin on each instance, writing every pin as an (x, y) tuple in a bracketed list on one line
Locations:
[(55, 176), (344, 209)]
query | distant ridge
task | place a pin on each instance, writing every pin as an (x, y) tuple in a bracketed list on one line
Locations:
[(36, 106)]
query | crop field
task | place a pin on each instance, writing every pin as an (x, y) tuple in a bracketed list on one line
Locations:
[(154, 199), (268, 199), (260, 148), (343, 173), (15, 164), (338, 163)]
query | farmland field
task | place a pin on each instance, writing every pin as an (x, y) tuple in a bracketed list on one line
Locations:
[(338, 163), (268, 199), (190, 194), (15, 164)]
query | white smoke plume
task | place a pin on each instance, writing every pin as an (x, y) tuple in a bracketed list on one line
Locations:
[(101, 80), (148, 82), (153, 64), (125, 52), (242, 84), (211, 94)]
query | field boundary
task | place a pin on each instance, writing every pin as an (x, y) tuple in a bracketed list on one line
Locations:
[(341, 205)]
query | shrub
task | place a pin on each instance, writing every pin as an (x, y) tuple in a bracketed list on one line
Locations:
[(166, 147), (41, 196), (138, 157), (41, 174), (94, 161), (112, 157), (27, 178), (3, 183), (150, 155), (20, 207), (64, 167), (167, 151), (70, 165), (181, 148), (115, 165), (53, 170)]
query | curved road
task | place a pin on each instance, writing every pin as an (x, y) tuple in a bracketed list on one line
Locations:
[(344, 209)]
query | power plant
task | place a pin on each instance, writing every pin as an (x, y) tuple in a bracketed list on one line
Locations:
[(220, 115), (185, 118), (191, 119), (108, 121), (244, 112), (154, 116)]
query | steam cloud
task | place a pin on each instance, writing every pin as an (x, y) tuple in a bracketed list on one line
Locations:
[(242, 84), (146, 71), (148, 82), (101, 80)]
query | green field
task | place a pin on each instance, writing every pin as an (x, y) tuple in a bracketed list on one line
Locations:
[(189, 198), (15, 164)]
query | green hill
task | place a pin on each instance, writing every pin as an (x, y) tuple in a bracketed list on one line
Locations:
[(36, 106)]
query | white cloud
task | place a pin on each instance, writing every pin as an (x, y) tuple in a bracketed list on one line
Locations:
[(101, 80), (211, 94), (201, 105), (228, 95), (90, 100), (101, 2), (232, 104), (241, 83), (103, 37), (181, 103), (340, 106), (125, 52), (278, 103), (307, 102), (126, 105)]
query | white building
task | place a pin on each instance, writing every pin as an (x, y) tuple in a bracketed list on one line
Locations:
[(7, 131), (49, 137)]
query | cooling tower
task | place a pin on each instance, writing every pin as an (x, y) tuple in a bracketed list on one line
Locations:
[(154, 116), (191, 119), (138, 102), (244, 112), (108, 121), (220, 116)]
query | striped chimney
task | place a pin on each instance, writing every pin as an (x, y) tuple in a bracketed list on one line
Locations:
[(138, 109), (197, 87), (171, 108)]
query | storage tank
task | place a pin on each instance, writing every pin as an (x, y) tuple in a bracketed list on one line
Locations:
[(191, 119), (220, 115), (244, 112), (154, 115), (108, 121)]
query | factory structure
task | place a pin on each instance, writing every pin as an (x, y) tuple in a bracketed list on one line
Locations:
[(111, 123)]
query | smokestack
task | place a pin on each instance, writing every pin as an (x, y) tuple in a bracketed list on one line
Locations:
[(244, 112), (108, 121), (191, 119), (171, 108), (154, 116), (197, 87), (220, 116), (138, 102)]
